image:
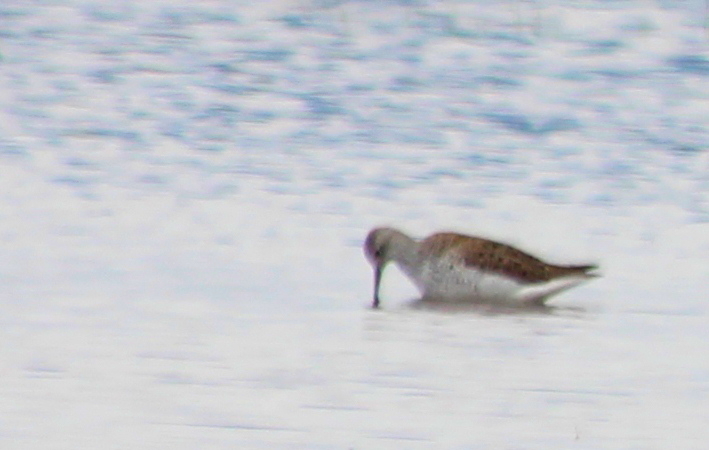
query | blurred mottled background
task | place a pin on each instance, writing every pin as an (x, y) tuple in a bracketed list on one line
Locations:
[(185, 185)]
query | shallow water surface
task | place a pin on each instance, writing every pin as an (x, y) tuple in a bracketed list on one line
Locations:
[(185, 187), (400, 377)]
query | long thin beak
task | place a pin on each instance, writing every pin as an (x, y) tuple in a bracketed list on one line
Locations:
[(377, 281)]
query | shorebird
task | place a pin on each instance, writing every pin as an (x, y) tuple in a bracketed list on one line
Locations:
[(456, 267)]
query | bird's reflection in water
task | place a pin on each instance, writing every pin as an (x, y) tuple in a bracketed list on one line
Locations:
[(491, 309)]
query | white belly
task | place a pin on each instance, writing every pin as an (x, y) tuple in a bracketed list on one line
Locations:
[(455, 283), (451, 282)]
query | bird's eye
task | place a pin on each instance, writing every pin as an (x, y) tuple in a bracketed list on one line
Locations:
[(378, 253)]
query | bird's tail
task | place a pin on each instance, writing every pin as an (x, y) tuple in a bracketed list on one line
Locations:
[(587, 270), (565, 277)]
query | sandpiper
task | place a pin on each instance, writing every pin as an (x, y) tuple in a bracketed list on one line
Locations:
[(456, 267)]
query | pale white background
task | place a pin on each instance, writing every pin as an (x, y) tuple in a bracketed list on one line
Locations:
[(184, 188)]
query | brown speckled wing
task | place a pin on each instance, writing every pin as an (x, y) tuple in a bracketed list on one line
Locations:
[(496, 257)]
